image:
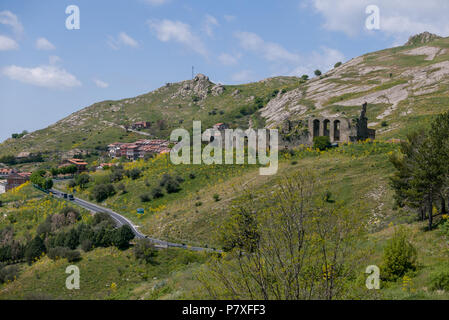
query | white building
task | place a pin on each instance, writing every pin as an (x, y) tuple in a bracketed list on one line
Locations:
[(3, 186)]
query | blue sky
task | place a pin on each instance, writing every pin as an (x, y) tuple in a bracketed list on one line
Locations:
[(126, 48)]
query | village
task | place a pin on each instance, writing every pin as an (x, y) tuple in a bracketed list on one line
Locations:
[(11, 178)]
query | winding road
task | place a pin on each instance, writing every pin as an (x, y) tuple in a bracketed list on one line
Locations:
[(121, 220)]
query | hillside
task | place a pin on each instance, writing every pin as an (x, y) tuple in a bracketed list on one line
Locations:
[(403, 87)]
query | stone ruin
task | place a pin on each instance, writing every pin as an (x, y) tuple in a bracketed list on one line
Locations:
[(338, 129)]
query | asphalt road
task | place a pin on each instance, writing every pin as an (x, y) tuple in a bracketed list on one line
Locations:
[(121, 220)]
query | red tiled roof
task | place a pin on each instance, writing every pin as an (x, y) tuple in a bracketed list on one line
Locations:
[(77, 161)]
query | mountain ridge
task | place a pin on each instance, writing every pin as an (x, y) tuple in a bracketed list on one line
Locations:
[(400, 84)]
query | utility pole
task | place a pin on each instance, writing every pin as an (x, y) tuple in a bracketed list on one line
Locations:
[(193, 71)]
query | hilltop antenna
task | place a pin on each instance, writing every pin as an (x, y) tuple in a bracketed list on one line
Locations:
[(193, 71)]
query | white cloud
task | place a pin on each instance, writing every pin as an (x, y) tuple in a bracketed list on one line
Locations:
[(209, 24), (284, 61), (10, 19), (44, 44), (228, 59), (399, 19), (127, 40), (156, 2), (243, 76), (7, 44), (101, 84), (177, 31), (323, 60), (269, 50), (229, 18), (54, 60), (42, 76), (122, 39)]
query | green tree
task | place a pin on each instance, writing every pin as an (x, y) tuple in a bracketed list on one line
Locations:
[(144, 250), (418, 179), (134, 174), (317, 72), (48, 184), (82, 180), (72, 239), (399, 256), (439, 139), (103, 191), (304, 248), (123, 236), (34, 249)]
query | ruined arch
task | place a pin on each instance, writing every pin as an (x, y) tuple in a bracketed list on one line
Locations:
[(337, 129), (326, 128), (316, 128)]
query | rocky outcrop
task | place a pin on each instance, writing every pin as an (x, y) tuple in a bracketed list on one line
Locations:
[(198, 87), (218, 90), (422, 38)]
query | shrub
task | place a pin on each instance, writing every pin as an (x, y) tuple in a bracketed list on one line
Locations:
[(327, 196), (87, 245), (103, 191), (321, 143), (44, 228), (71, 213), (134, 174), (444, 228), (73, 256), (145, 251), (48, 184), (337, 64), (192, 176), (64, 253), (57, 253), (121, 187), (122, 237), (317, 73), (8, 273), (173, 186), (440, 280), (157, 193), (34, 249), (305, 77), (399, 256), (103, 217), (82, 180), (145, 197), (116, 174), (384, 124), (217, 197), (165, 179), (72, 239)]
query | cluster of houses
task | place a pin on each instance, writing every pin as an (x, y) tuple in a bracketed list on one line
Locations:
[(139, 149), (141, 125), (80, 164), (12, 178)]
